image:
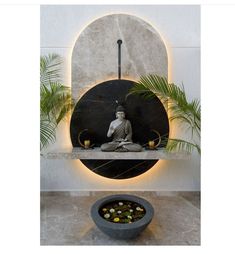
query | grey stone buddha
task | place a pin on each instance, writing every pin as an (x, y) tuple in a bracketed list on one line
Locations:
[(121, 131)]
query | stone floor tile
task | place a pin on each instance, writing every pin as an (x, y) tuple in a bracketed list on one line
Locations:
[(65, 220)]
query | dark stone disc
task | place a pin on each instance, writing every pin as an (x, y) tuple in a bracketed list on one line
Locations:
[(96, 109)]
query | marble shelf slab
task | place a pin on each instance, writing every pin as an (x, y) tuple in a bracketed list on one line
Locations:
[(96, 154)]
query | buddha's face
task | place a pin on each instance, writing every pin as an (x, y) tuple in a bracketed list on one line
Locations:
[(120, 115)]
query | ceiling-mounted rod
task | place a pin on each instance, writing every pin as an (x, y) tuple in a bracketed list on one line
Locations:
[(119, 42)]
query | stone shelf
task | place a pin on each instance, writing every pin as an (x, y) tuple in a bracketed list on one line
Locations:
[(96, 154)]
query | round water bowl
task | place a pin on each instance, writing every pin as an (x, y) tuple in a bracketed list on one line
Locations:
[(122, 230)]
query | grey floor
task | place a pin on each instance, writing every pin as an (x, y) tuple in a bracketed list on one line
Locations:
[(65, 219)]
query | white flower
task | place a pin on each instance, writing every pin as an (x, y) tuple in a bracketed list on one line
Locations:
[(107, 215), (119, 212), (129, 217), (138, 208), (120, 203), (112, 210), (131, 210)]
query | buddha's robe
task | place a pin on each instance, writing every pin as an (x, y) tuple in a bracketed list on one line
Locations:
[(122, 139)]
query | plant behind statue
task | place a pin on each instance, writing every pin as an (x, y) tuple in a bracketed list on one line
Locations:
[(175, 100), (55, 98)]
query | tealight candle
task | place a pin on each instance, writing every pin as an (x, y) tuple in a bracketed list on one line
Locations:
[(87, 143), (151, 144)]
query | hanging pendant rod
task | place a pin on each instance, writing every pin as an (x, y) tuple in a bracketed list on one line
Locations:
[(119, 42)]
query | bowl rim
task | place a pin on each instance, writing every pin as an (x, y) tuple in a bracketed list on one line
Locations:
[(100, 221)]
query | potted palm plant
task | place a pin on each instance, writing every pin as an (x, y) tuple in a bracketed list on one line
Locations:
[(55, 98), (175, 100)]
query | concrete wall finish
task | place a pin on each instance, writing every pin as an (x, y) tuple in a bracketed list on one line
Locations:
[(179, 27)]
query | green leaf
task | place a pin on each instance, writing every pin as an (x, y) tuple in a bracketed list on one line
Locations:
[(55, 98), (47, 133), (175, 100), (50, 68)]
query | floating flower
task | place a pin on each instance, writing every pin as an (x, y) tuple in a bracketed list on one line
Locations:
[(122, 212), (116, 219), (107, 215)]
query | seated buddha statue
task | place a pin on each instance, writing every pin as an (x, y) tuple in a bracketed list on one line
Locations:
[(121, 131)]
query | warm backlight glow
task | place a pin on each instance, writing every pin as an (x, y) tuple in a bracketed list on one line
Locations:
[(87, 173), (100, 181)]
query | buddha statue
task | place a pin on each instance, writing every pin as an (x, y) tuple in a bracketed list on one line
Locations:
[(121, 131)]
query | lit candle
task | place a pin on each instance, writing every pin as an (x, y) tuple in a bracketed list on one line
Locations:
[(87, 143), (151, 144)]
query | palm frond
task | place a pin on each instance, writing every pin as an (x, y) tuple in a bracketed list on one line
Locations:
[(181, 145), (47, 132), (174, 98), (50, 68), (55, 98), (56, 101)]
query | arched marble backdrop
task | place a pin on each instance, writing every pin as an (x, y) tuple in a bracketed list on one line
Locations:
[(95, 86)]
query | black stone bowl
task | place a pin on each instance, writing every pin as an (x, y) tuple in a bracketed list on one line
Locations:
[(122, 230)]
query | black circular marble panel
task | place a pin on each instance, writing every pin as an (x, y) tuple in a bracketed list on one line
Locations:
[(96, 109)]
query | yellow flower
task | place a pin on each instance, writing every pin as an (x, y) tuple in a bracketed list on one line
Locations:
[(116, 219)]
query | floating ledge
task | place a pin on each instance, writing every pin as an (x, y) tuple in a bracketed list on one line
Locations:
[(96, 154)]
